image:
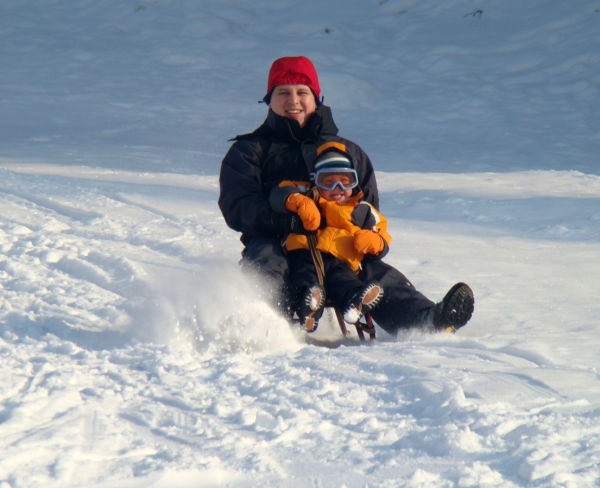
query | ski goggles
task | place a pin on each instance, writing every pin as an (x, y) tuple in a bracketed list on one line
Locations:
[(344, 178)]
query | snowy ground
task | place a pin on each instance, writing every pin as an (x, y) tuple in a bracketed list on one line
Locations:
[(133, 353)]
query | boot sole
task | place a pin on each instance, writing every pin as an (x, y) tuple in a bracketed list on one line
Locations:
[(316, 296), (371, 298), (459, 304)]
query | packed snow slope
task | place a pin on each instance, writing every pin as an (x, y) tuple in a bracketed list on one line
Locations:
[(134, 354)]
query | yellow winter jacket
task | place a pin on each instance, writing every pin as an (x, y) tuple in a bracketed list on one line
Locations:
[(337, 238)]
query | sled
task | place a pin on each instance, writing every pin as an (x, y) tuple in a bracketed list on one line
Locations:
[(363, 326)]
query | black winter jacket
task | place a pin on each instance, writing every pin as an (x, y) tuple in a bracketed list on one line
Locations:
[(279, 150)]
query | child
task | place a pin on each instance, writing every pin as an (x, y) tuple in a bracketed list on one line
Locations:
[(353, 230)]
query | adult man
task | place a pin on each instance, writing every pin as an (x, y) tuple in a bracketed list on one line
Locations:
[(284, 147)]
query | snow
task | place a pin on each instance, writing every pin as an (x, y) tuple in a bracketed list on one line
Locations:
[(133, 352)]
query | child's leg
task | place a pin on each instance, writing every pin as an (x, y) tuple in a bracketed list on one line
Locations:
[(307, 295), (303, 273), (341, 283), (351, 295)]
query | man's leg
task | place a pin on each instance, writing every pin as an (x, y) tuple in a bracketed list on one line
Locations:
[(402, 305), (266, 257)]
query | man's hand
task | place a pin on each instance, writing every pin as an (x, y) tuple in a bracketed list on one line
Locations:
[(363, 217)]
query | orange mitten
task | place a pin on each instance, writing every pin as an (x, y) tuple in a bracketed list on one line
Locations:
[(368, 242), (306, 209)]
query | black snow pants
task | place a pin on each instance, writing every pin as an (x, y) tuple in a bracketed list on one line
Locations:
[(341, 283), (402, 305)]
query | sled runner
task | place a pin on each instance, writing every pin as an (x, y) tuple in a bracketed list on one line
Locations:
[(364, 325)]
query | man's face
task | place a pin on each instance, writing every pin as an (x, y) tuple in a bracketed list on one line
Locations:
[(294, 102)]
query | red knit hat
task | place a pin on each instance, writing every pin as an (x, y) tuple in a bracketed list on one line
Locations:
[(293, 70)]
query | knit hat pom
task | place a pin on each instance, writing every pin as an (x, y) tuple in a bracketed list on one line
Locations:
[(293, 70)]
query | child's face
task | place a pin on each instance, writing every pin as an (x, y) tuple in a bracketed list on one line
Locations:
[(336, 184), (336, 195)]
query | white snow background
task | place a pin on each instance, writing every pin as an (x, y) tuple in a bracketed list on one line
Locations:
[(134, 354)]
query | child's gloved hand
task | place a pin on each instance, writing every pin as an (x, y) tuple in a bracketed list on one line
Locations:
[(306, 209), (368, 242)]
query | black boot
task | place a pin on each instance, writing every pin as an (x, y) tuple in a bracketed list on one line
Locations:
[(310, 307), (455, 310), (362, 302)]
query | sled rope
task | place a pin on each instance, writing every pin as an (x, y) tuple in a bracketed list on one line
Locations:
[(312, 244)]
